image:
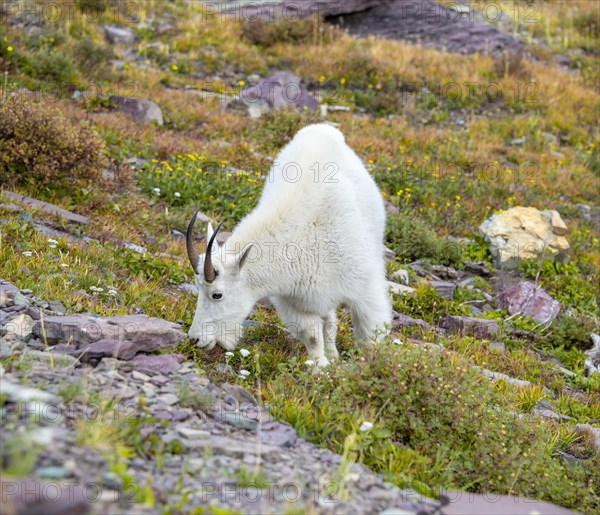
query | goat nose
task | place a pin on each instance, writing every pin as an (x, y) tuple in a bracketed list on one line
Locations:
[(194, 340)]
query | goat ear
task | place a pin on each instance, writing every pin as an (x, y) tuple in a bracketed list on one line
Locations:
[(243, 255)]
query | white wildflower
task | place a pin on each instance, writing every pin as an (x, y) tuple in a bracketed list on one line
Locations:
[(366, 426), (112, 292), (177, 194), (27, 253), (52, 246), (245, 352), (396, 341), (309, 362), (244, 373), (52, 242), (64, 265), (229, 354), (156, 190)]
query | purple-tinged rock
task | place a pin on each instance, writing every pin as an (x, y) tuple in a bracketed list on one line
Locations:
[(282, 89), (527, 299)]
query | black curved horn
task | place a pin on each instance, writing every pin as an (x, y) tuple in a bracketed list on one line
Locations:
[(209, 272)]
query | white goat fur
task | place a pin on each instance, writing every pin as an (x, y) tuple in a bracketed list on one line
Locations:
[(317, 243)]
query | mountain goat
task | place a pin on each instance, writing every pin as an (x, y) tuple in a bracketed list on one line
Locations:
[(313, 243)]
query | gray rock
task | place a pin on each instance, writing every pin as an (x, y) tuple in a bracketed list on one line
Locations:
[(400, 276), (444, 288), (57, 307), (21, 326), (229, 446), (276, 433), (401, 321), (468, 326), (119, 35), (282, 89), (445, 272), (46, 207), (399, 289), (19, 393), (142, 111), (36, 497), (493, 376), (157, 364), (592, 361), (147, 333), (527, 299), (108, 347), (479, 268)]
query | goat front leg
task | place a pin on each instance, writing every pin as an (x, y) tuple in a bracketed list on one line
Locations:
[(311, 332), (330, 326)]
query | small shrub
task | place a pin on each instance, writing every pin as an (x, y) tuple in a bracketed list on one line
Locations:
[(293, 32), (412, 239), (53, 65), (39, 143), (90, 54), (572, 332), (425, 303)]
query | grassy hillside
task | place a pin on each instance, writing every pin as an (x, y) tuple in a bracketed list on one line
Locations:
[(450, 140)]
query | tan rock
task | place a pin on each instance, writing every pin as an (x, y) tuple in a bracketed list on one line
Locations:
[(522, 233)]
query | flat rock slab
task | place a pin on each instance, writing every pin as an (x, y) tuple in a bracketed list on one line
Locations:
[(232, 446), (158, 364), (46, 207), (292, 10), (527, 299), (146, 333), (401, 321), (430, 23), (108, 347), (468, 326)]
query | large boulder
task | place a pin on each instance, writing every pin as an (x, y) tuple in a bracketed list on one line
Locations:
[(282, 89), (528, 299), (522, 233), (145, 333)]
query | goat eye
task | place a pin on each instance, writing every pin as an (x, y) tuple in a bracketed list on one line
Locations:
[(217, 296)]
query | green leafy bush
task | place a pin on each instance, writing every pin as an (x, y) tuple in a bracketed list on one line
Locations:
[(425, 303), (437, 424), (90, 54), (572, 332), (412, 239), (37, 142), (52, 65)]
